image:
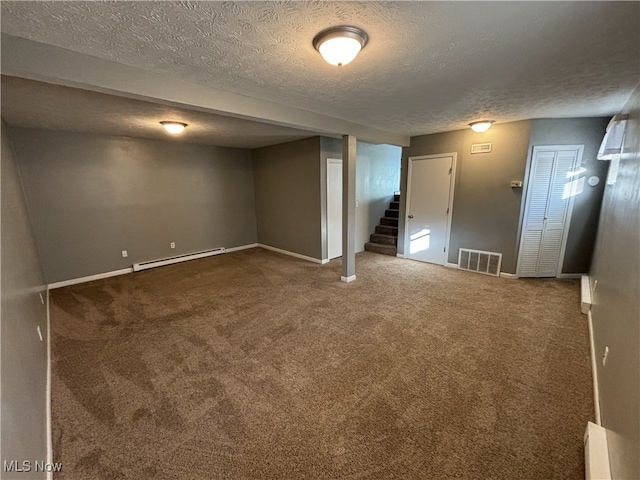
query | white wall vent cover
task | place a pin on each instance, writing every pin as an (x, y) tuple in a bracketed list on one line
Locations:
[(481, 148), (479, 261)]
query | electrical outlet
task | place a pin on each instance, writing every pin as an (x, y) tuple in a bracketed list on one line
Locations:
[(172, 244), (604, 357), (124, 254)]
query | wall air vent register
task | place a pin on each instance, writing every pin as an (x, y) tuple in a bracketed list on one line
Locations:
[(480, 261), (481, 148)]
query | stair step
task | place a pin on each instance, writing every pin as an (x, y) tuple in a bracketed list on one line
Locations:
[(392, 213), (381, 248), (384, 239), (396, 197), (394, 205), (393, 222), (387, 230)]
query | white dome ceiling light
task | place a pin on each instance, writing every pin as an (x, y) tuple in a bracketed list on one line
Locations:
[(174, 128), (481, 126), (340, 45)]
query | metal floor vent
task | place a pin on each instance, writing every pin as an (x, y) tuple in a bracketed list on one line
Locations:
[(479, 261)]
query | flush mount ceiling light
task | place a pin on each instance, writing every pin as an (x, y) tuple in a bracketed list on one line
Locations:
[(481, 126), (174, 128), (340, 45)]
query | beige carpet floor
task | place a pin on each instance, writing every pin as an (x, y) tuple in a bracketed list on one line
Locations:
[(254, 365)]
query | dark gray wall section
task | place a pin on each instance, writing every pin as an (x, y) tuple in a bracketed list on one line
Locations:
[(288, 196), (92, 196), (377, 178), (586, 205), (616, 305), (24, 356), (486, 209)]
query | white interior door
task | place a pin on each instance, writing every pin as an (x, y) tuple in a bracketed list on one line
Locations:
[(334, 208), (429, 196), (554, 181)]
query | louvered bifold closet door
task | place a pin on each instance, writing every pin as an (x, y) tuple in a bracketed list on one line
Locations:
[(552, 184), (539, 185), (559, 195)]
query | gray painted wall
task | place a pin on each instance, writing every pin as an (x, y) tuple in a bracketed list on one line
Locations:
[(616, 305), (24, 356), (586, 205), (377, 178), (486, 210), (92, 196), (288, 196)]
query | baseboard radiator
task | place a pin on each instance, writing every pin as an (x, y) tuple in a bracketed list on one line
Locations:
[(480, 261), (180, 258), (596, 453)]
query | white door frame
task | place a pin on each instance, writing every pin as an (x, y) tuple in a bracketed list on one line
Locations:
[(567, 218), (452, 184), (338, 161)]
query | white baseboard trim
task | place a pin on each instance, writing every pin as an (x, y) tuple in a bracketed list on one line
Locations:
[(291, 254), (594, 370), (114, 273), (451, 265), (90, 278), (399, 255), (348, 279), (508, 275), (585, 294), (48, 393), (324, 261), (570, 275), (241, 247)]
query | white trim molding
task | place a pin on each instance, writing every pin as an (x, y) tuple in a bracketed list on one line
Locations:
[(400, 255), (585, 294), (241, 247), (450, 265), (350, 279), (48, 393), (90, 278), (292, 254), (594, 370), (508, 275)]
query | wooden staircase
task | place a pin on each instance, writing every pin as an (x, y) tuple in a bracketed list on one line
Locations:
[(385, 240)]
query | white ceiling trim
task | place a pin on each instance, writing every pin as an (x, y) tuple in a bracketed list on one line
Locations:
[(37, 61)]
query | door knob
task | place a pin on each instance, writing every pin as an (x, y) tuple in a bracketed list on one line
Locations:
[(410, 216)]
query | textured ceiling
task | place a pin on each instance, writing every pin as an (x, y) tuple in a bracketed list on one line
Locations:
[(428, 67), (27, 103)]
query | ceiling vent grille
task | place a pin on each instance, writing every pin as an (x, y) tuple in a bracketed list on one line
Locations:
[(479, 261), (481, 148)]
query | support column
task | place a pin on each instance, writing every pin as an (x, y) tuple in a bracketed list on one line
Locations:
[(348, 208)]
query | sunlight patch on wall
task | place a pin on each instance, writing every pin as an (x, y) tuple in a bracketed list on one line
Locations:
[(573, 188)]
